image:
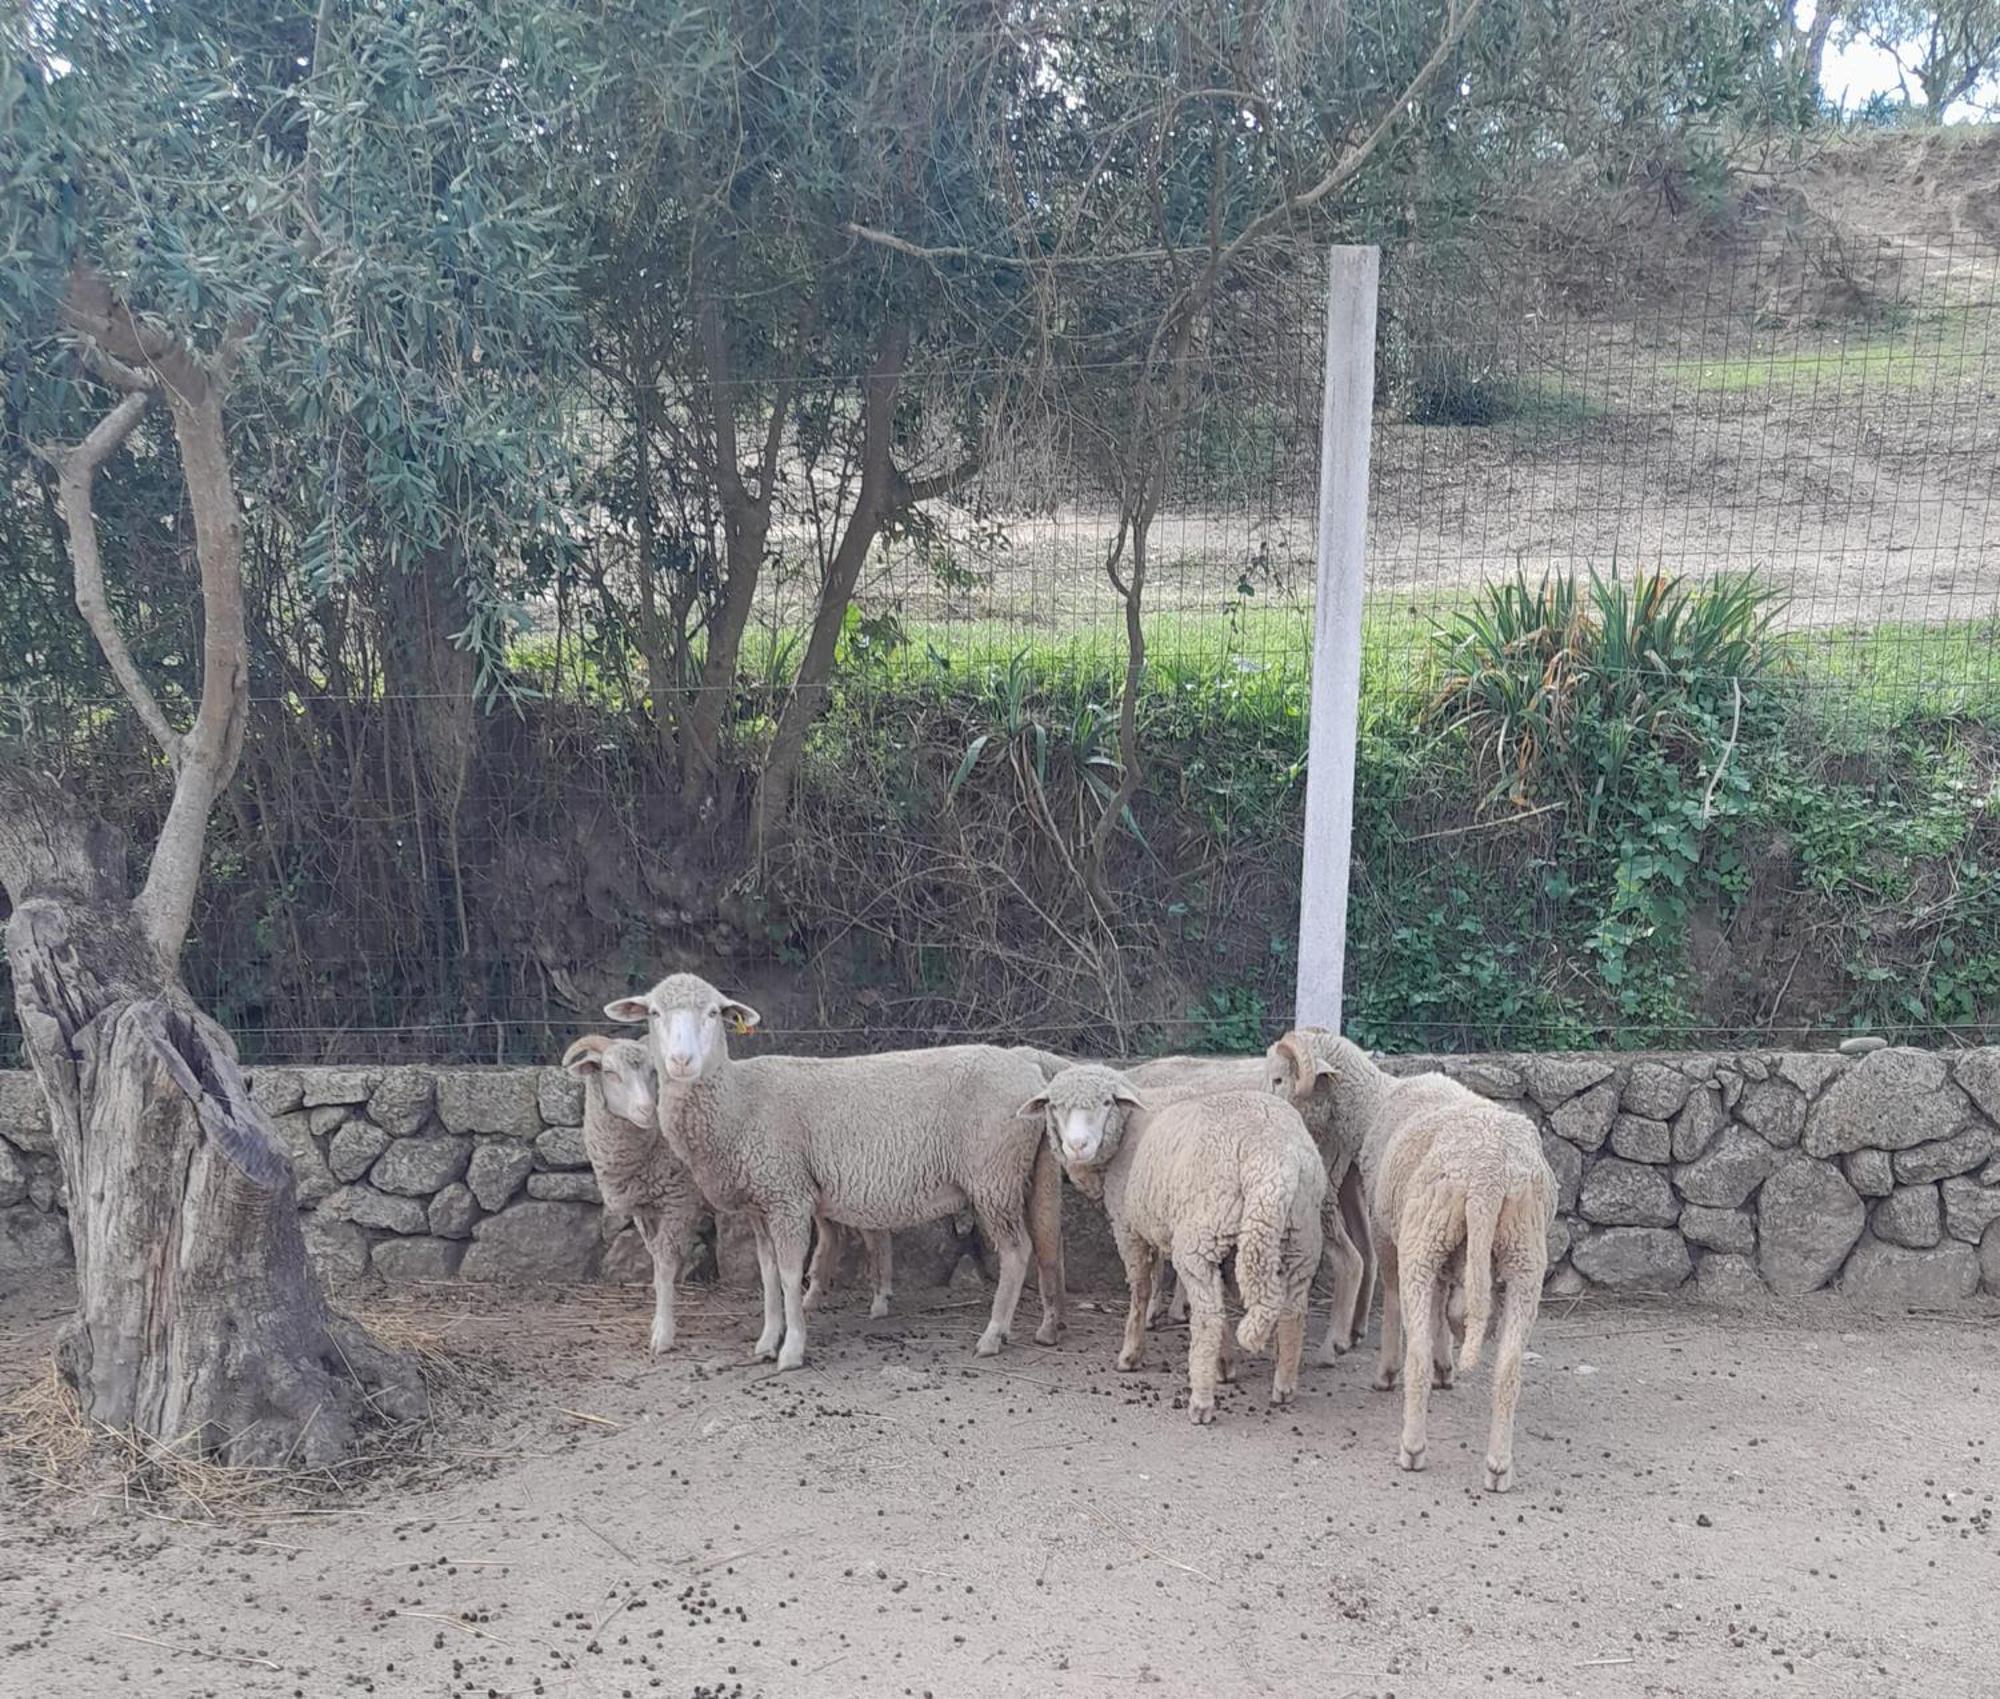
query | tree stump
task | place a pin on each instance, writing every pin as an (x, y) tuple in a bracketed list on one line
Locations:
[(200, 1321)]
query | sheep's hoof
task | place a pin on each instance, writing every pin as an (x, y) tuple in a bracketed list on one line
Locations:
[(1225, 1371), (1128, 1360), (766, 1347), (662, 1339), (1329, 1353), (1201, 1412), (1411, 1461), (1441, 1377), (792, 1357), (1384, 1381), (1499, 1480), (1049, 1332), (1282, 1395), (880, 1308), (989, 1344)]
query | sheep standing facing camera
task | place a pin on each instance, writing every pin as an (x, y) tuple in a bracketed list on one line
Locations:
[(1192, 1181), (1451, 1179), (637, 1174), (873, 1142)]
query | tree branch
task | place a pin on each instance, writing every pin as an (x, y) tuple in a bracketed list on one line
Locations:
[(76, 477)]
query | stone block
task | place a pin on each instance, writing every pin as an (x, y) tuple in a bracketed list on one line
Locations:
[(535, 1240), (1964, 1151), (1616, 1193), (497, 1168), (1808, 1218), (418, 1259), (341, 1086), (1553, 1080), (453, 1212), (351, 1152), (1585, 1121), (1734, 1167), (1655, 1091), (490, 1100), (1891, 1100), (1729, 1230), (567, 1187), (1638, 1138), (403, 1101), (1894, 1277), (366, 1207), (418, 1167), (1911, 1216), (1633, 1259)]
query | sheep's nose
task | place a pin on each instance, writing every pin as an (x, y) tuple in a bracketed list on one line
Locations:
[(680, 1061)]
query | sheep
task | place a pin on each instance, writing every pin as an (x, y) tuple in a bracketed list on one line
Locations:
[(1286, 1070), (1193, 1180), (637, 1174), (1453, 1182), (874, 1142), (830, 1243)]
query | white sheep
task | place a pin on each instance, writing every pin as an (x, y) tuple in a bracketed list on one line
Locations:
[(1194, 1180), (1452, 1181), (637, 1174), (1286, 1070), (876, 1142)]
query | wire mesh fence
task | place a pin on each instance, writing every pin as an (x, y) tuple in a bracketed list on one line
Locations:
[(1681, 707)]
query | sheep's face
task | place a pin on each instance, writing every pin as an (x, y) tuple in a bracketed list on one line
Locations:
[(628, 1085), (686, 1015), (623, 1072), (1294, 1070), (1084, 1111)]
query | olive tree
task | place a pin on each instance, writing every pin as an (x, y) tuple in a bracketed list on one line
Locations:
[(227, 227)]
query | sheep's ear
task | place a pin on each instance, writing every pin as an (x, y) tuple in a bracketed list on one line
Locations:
[(1127, 1094), (633, 1011), (586, 1055), (740, 1016), (1035, 1107)]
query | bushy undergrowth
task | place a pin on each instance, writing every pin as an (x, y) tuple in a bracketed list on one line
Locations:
[(1611, 813)]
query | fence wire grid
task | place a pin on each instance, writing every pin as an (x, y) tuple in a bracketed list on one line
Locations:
[(1820, 424)]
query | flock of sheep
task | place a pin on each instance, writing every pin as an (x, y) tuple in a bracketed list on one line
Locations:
[(1266, 1163)]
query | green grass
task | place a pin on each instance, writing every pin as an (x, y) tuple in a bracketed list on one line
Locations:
[(1930, 355)]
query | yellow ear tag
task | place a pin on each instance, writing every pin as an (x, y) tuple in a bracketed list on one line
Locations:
[(739, 1025)]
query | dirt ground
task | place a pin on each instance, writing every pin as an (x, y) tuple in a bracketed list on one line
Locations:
[(1796, 1501)]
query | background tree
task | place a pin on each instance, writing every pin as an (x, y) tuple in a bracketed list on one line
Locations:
[(321, 245), (1950, 49)]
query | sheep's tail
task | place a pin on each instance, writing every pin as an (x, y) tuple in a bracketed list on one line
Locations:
[(1259, 1270), (1482, 1222)]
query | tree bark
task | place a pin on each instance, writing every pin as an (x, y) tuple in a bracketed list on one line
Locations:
[(200, 1321), (874, 502), (746, 524)]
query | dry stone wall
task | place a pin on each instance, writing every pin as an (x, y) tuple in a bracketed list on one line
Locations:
[(1720, 1176)]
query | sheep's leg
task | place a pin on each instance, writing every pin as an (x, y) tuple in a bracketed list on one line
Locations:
[(790, 1239), (1141, 1265), (1523, 1267), (1353, 1200), (666, 1271), (1441, 1334), (1420, 1308), (1392, 1317), (1011, 1241), (821, 1272), (1347, 1271), (774, 1303), (1291, 1347), (1046, 1237), (1202, 1282), (881, 1261)]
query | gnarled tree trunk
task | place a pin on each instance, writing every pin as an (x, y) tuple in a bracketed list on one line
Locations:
[(200, 1321)]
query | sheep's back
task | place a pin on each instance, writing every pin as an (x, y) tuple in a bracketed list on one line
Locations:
[(906, 1123), (1205, 1160)]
